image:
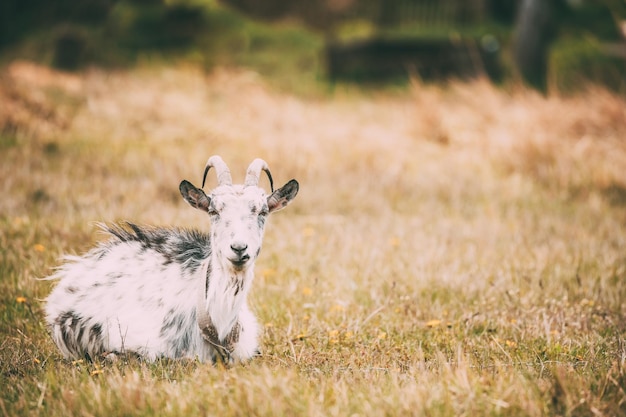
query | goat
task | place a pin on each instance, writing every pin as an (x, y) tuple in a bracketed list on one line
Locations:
[(166, 292)]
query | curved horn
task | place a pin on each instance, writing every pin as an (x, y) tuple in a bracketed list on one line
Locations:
[(254, 172), (223, 174)]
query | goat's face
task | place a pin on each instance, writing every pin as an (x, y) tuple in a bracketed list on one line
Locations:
[(238, 217), (238, 214)]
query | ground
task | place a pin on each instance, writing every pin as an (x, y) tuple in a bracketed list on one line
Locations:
[(454, 250)]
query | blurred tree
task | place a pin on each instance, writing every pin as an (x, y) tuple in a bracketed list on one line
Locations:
[(535, 29)]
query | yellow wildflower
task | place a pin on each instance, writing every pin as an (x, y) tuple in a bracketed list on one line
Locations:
[(333, 336), (433, 323)]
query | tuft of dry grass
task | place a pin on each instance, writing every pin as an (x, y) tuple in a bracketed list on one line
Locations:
[(454, 250)]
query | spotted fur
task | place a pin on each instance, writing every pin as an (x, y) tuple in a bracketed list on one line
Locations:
[(167, 292)]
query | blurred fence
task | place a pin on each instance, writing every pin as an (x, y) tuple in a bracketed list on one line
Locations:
[(383, 57), (378, 59)]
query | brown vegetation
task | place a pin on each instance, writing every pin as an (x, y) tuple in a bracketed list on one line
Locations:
[(454, 250)]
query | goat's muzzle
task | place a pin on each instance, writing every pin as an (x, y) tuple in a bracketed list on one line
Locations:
[(240, 255)]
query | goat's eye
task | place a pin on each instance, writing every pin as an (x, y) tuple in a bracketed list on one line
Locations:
[(264, 212), (212, 211)]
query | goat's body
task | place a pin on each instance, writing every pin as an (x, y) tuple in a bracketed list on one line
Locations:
[(138, 293), (168, 292)]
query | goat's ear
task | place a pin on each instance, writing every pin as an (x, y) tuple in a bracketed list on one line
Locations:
[(283, 196), (194, 196)]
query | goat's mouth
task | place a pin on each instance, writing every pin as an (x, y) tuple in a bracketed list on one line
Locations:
[(239, 262)]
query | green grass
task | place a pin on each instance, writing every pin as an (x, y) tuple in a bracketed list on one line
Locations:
[(454, 251)]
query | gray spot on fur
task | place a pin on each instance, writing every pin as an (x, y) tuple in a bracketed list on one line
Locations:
[(177, 332), (186, 247), (73, 329)]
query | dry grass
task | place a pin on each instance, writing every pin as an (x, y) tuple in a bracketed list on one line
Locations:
[(453, 251)]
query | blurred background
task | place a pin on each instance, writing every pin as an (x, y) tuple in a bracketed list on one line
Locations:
[(297, 44), (457, 246)]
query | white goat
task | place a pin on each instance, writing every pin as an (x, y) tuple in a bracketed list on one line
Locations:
[(168, 292)]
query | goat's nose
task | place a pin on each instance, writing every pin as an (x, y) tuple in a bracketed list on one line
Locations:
[(239, 247)]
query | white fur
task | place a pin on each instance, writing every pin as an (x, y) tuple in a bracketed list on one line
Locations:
[(139, 291)]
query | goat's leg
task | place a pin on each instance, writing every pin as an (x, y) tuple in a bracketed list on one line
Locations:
[(247, 346)]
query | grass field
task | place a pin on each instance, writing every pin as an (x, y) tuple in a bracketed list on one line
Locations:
[(455, 250)]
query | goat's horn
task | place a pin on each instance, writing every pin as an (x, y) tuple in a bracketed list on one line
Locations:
[(223, 174), (254, 172)]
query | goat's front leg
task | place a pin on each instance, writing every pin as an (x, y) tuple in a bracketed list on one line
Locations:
[(247, 345)]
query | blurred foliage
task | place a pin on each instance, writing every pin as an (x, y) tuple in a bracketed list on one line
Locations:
[(577, 62), (128, 32), (118, 33), (19, 18), (596, 18), (580, 53)]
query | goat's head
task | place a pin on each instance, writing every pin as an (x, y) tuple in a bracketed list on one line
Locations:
[(237, 212)]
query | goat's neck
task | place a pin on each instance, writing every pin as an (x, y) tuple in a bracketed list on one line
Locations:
[(225, 295)]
